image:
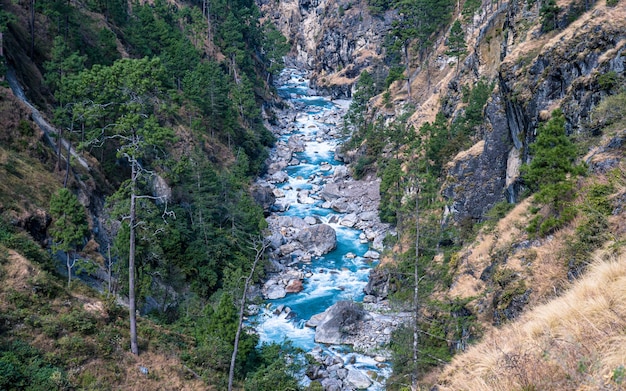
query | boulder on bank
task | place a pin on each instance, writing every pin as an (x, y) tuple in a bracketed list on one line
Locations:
[(294, 286), (264, 196), (337, 321), (318, 239), (377, 283), (358, 379)]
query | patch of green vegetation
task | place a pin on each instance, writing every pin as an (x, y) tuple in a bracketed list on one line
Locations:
[(549, 13), (609, 115), (11, 238), (592, 232), (619, 375), (551, 174), (607, 81), (469, 9), (23, 367)]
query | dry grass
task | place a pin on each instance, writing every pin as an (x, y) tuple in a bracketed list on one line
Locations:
[(575, 342)]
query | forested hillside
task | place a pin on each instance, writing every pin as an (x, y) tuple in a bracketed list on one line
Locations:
[(155, 129)]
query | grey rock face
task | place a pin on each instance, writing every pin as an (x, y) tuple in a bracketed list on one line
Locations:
[(478, 179), (264, 196)]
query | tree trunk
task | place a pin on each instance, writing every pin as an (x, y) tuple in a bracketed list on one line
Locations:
[(259, 254), (67, 164), (131, 263), (109, 266), (416, 276), (408, 71), (32, 29), (69, 270)]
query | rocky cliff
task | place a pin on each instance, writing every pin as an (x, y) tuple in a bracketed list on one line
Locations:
[(336, 39), (534, 73)]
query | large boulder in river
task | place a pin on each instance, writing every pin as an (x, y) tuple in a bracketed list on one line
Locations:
[(318, 239), (338, 320)]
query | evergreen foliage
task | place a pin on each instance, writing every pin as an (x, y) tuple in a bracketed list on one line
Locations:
[(551, 175), (23, 367), (549, 12), (69, 227), (456, 41)]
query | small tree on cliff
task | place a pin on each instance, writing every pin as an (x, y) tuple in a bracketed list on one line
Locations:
[(456, 43), (549, 174), (69, 227)]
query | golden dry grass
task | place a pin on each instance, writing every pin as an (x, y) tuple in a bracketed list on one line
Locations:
[(575, 342)]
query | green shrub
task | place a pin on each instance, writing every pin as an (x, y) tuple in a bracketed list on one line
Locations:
[(395, 73), (362, 165), (597, 199), (79, 321), (608, 80), (22, 367)]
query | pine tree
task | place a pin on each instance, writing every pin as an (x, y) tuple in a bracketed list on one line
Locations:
[(456, 42), (127, 95), (69, 227)]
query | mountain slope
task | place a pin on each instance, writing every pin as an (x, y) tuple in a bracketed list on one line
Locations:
[(574, 342)]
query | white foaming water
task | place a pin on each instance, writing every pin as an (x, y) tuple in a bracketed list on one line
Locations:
[(272, 328)]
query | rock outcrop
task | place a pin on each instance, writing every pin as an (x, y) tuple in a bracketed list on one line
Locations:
[(534, 78)]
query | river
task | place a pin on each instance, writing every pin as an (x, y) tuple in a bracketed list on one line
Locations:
[(338, 275)]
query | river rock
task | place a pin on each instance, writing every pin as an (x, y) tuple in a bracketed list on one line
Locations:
[(341, 172), (281, 205), (332, 384), (294, 286), (325, 167), (303, 197), (278, 177), (295, 144), (331, 191), (315, 320), (337, 320), (371, 254), (310, 220), (342, 205), (377, 283), (368, 216), (276, 240), (358, 379), (275, 292), (287, 248), (318, 239), (349, 220)]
